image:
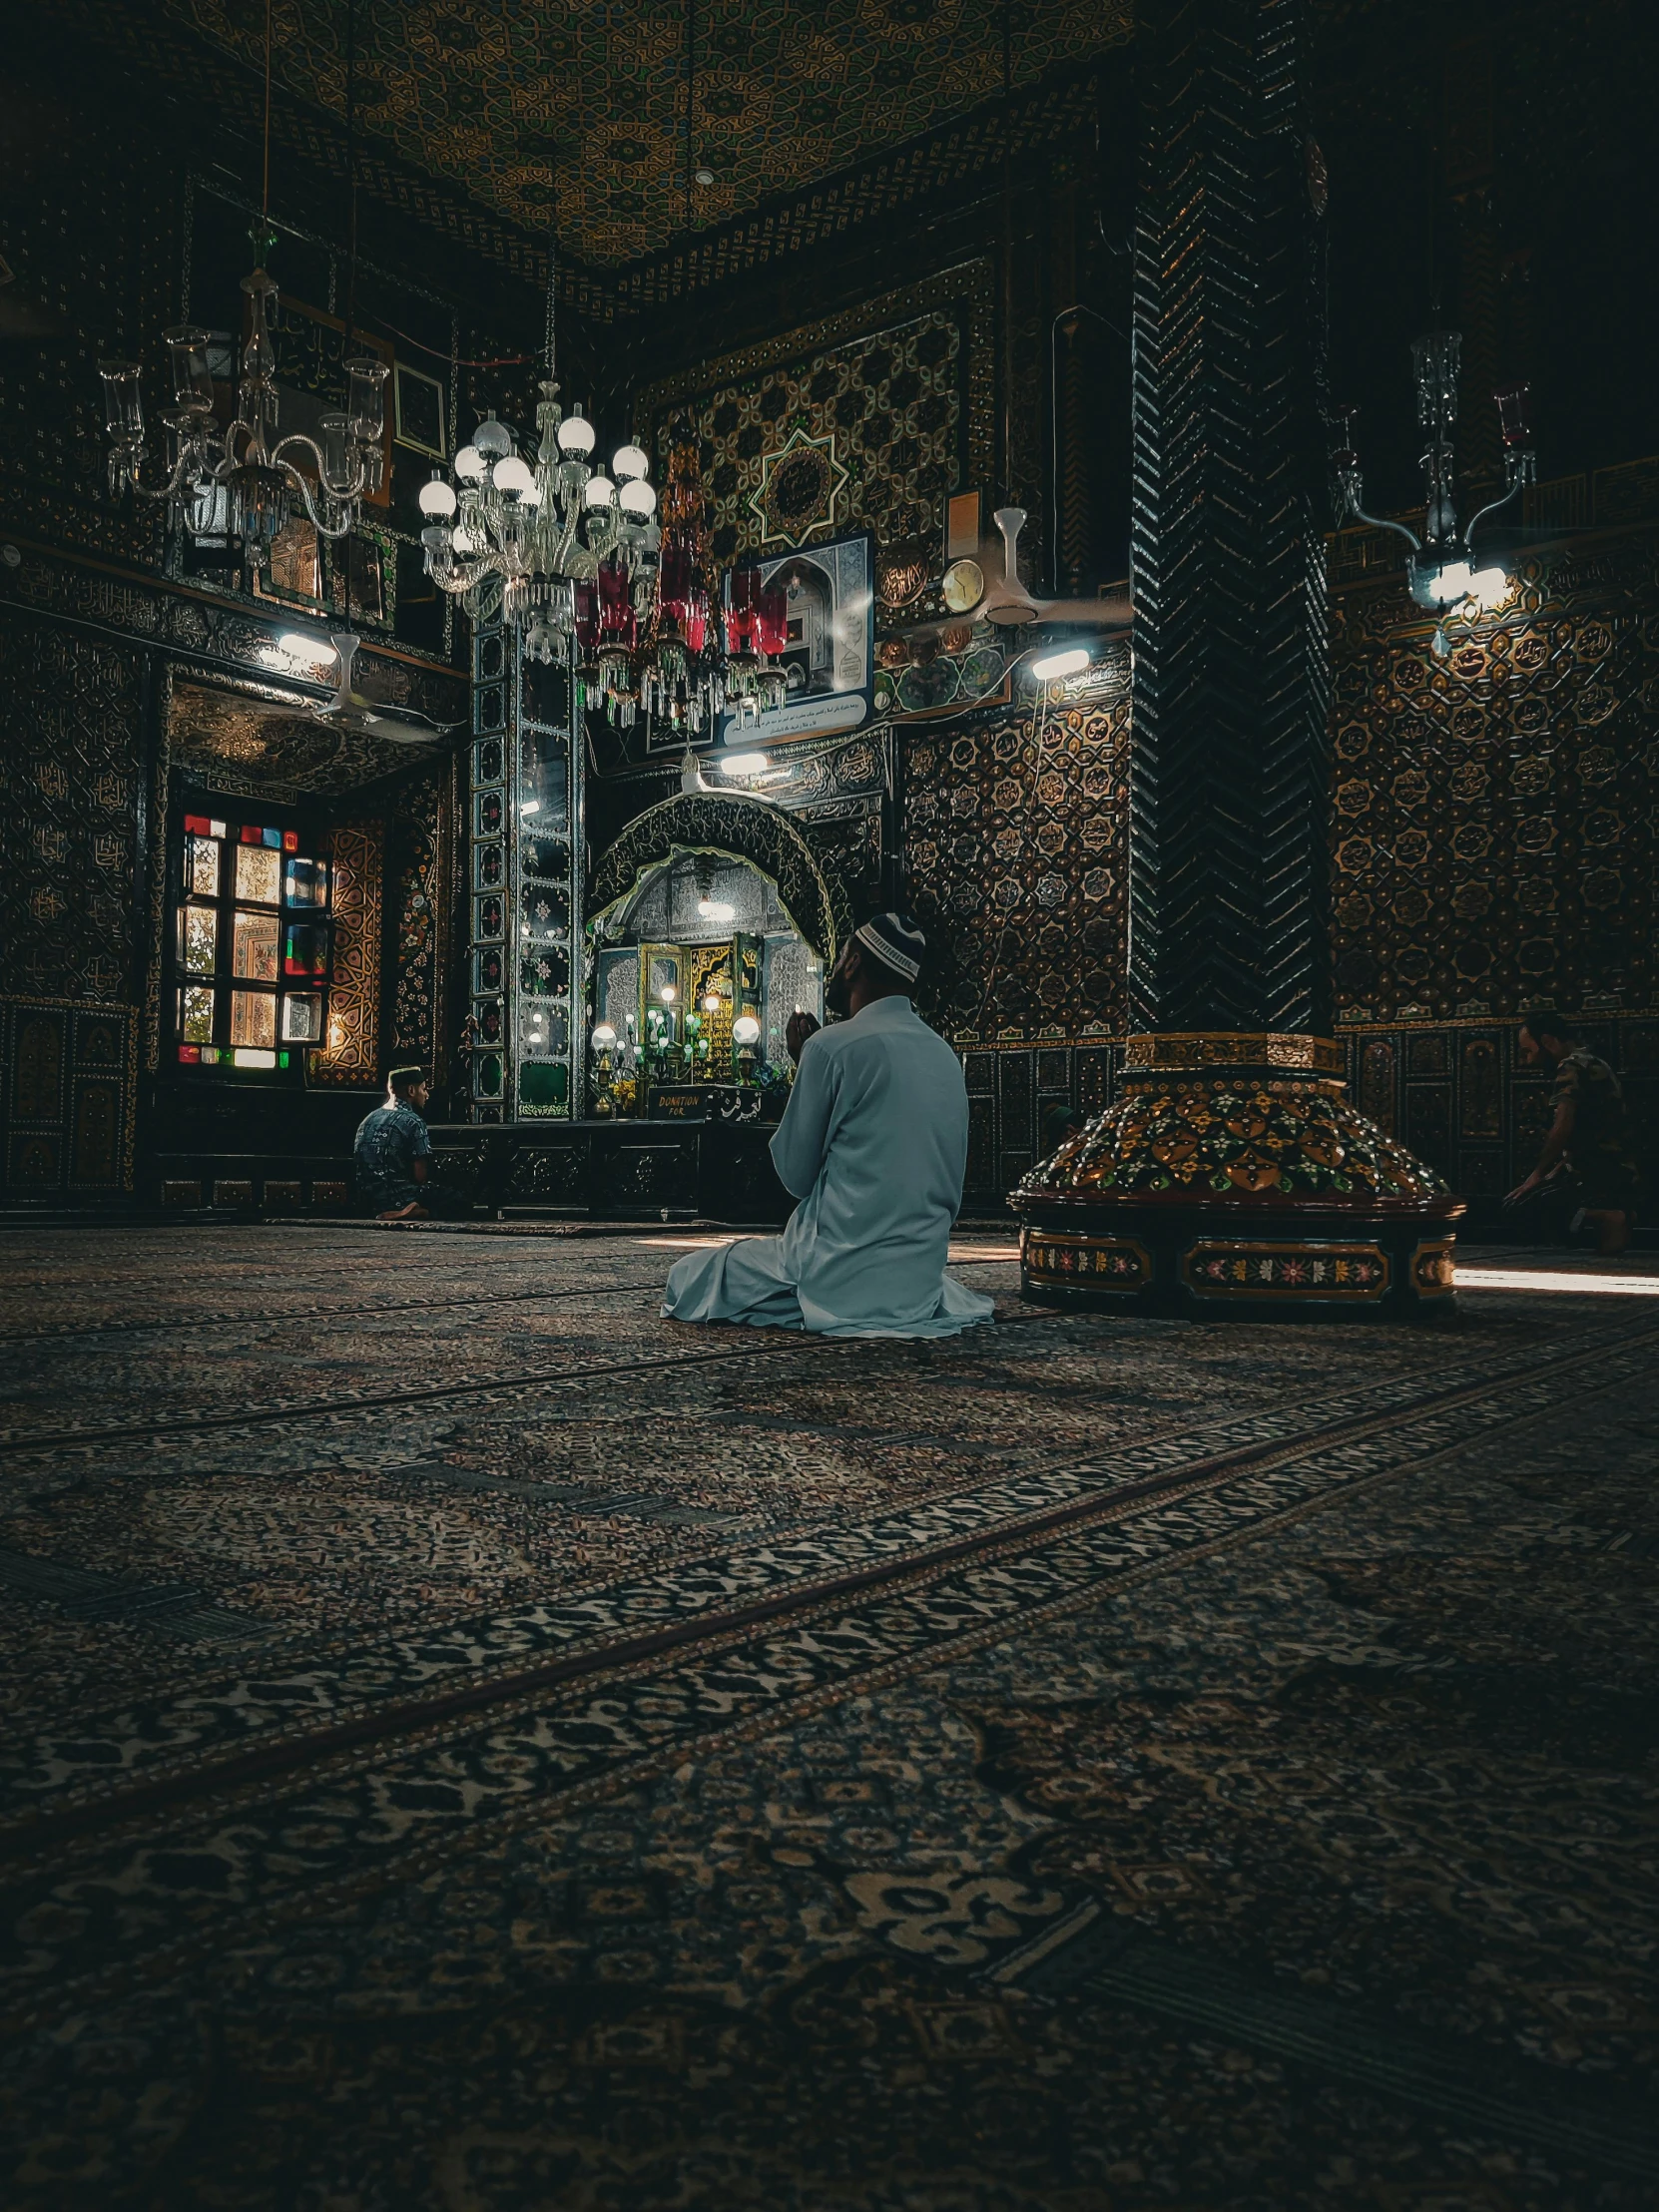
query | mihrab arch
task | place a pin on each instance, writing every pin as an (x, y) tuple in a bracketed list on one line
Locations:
[(748, 830)]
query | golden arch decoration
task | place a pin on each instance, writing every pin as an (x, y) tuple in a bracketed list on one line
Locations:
[(816, 901)]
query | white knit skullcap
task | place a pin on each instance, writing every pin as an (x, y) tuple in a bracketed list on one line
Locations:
[(895, 943)]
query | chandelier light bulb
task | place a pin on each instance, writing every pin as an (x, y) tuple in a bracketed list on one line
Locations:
[(469, 464), (512, 477), (438, 498), (637, 499), (1453, 583), (629, 460), (493, 439), (601, 493), (1068, 663), (462, 541), (604, 1037), (576, 434), (668, 994), (746, 1030)]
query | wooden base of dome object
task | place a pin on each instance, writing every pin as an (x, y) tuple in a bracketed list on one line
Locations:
[(1232, 1178)]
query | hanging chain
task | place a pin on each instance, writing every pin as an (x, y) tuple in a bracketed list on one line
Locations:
[(551, 266)]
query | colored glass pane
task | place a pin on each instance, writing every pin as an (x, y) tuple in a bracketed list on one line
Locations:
[(246, 1056), (303, 1017), (195, 1014), (308, 949), (307, 882), (290, 841), (254, 947), (189, 1053), (252, 1018), (258, 875), (202, 867), (197, 939)]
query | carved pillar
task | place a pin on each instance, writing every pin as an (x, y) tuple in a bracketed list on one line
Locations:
[(1231, 664), (1232, 1175)]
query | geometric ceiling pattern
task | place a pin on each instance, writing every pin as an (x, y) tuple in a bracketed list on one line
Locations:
[(517, 101)]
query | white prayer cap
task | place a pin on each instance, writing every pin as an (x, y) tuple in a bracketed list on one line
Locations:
[(896, 943)]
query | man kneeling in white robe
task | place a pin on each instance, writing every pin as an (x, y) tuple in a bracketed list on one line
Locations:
[(874, 1143)]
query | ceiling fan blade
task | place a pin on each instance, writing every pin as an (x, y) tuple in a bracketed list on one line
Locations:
[(345, 652), (1094, 613)]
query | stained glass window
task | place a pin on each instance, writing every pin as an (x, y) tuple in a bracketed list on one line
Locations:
[(254, 947), (202, 866), (195, 1014), (307, 882), (198, 939), (308, 949), (253, 912), (253, 1017), (258, 875), (303, 1017)]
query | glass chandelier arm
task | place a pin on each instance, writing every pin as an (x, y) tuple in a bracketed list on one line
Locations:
[(1495, 506), (347, 508), (127, 458), (356, 476), (1382, 522)]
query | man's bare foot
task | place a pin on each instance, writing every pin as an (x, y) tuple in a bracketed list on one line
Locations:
[(414, 1211), (1612, 1231)]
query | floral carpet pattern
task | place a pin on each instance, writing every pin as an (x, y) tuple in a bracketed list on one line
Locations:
[(472, 1744)]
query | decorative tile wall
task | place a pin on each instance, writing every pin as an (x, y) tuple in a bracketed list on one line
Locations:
[(352, 1054), (71, 771), (1015, 836), (889, 407), (68, 1074), (1492, 802)]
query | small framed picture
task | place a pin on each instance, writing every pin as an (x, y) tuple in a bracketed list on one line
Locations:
[(419, 411), (368, 583)]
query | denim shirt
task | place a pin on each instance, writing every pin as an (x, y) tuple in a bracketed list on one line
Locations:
[(389, 1141)]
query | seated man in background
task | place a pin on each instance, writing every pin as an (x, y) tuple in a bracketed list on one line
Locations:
[(1589, 1134), (391, 1158), (874, 1143)]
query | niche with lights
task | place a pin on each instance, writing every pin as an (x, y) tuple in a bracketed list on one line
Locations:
[(697, 971)]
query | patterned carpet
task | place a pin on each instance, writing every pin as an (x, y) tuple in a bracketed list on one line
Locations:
[(474, 1744)]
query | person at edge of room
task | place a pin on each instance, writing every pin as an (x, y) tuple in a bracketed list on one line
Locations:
[(391, 1155), (1061, 1122), (873, 1144), (1590, 1134)]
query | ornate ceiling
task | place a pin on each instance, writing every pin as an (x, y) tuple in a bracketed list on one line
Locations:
[(262, 750), (515, 101)]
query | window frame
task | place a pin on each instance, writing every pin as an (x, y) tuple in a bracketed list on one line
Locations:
[(291, 838)]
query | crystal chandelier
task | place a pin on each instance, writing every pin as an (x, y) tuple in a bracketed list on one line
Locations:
[(261, 474), (1440, 567), (756, 631), (557, 546), (682, 679)]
